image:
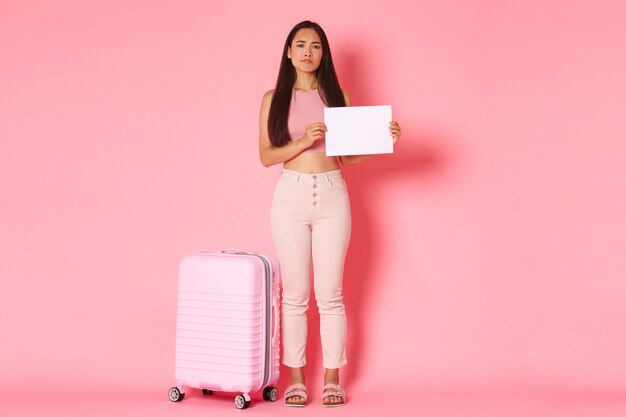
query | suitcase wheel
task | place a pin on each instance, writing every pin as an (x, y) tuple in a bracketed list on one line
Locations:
[(175, 394), (241, 403), (270, 394)]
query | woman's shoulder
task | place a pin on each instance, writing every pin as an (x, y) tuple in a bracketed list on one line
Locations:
[(267, 99), (346, 97)]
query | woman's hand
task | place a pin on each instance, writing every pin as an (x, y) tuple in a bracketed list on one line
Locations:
[(394, 129), (314, 132)]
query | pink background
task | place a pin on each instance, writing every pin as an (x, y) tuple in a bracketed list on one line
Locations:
[(487, 253)]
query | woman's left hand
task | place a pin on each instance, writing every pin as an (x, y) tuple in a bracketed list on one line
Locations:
[(394, 129)]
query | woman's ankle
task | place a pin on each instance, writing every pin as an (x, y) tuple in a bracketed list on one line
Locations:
[(296, 375), (331, 376)]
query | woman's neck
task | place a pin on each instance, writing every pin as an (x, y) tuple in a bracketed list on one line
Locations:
[(305, 82)]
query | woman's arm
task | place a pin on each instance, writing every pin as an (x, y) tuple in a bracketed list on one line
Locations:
[(271, 154), (348, 160)]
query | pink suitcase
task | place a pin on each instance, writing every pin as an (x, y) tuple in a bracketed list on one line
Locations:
[(227, 325)]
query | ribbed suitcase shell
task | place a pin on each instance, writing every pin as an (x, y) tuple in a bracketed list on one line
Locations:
[(227, 325)]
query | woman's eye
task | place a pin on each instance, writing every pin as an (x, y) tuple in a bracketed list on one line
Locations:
[(317, 46)]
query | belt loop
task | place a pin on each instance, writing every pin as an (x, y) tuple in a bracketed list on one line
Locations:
[(328, 178), (298, 177)]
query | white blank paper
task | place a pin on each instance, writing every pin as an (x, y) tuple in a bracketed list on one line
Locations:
[(358, 130)]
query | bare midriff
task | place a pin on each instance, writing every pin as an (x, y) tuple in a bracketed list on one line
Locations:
[(312, 163)]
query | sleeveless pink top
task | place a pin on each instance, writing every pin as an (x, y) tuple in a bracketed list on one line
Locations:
[(306, 108)]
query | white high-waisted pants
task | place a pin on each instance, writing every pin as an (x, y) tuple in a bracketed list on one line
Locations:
[(311, 220)]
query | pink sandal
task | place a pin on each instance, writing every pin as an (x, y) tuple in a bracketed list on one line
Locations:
[(296, 390), (338, 392)]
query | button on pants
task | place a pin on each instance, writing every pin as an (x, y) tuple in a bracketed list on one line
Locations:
[(311, 221)]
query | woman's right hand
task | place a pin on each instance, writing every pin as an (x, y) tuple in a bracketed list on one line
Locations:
[(314, 132)]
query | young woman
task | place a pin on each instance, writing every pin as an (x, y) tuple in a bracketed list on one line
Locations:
[(310, 208)]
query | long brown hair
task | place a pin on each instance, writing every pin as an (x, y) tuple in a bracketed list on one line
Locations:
[(328, 86)]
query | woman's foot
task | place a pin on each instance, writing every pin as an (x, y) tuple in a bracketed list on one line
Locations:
[(332, 395), (296, 394)]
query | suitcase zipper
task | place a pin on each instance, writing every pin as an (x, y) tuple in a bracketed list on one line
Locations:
[(268, 308)]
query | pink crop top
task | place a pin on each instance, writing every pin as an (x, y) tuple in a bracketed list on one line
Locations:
[(306, 108)]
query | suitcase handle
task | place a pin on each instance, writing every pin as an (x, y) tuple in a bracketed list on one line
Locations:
[(276, 321), (238, 252)]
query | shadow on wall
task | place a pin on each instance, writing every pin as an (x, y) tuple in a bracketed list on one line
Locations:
[(421, 157), (414, 164)]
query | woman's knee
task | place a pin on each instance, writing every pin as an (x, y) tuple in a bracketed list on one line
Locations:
[(294, 303), (330, 305)]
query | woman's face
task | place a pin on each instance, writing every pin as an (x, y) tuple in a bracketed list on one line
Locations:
[(305, 50)]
